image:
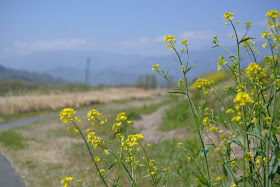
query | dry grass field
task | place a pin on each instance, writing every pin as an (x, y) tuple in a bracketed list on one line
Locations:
[(28, 103)]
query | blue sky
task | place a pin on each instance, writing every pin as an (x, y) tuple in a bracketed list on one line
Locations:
[(122, 27)]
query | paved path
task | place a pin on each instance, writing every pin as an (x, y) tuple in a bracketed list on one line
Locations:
[(28, 121), (7, 172)]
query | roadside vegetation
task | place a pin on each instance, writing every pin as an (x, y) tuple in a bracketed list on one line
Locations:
[(42, 152)]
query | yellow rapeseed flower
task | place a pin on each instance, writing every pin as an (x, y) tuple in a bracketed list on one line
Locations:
[(273, 14), (93, 139), (213, 129), (248, 156), (65, 181), (132, 140), (228, 16), (184, 42), (230, 111), (121, 116), (168, 38), (249, 23), (236, 118), (106, 151), (242, 98), (67, 115), (219, 179), (97, 159), (221, 61)]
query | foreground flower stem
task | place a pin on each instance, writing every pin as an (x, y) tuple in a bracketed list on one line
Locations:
[(268, 181), (194, 113), (90, 154)]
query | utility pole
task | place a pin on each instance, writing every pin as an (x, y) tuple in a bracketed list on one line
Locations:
[(87, 73)]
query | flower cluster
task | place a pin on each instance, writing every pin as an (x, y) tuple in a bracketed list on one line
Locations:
[(228, 16), (249, 46), (272, 14), (133, 140), (95, 141), (221, 62), (242, 98), (68, 115), (155, 67), (170, 39), (204, 84), (95, 115), (66, 180), (121, 116)]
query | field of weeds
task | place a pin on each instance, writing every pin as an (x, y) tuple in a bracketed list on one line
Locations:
[(28, 103)]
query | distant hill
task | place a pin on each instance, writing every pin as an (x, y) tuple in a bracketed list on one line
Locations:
[(108, 68), (11, 74)]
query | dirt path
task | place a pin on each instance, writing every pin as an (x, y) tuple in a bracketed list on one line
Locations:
[(149, 125)]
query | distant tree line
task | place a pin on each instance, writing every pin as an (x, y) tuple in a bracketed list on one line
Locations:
[(146, 81)]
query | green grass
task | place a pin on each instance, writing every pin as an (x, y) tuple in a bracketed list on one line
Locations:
[(167, 155), (178, 116), (12, 139)]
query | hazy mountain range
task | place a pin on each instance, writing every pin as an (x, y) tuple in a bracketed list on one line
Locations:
[(11, 74), (109, 68)]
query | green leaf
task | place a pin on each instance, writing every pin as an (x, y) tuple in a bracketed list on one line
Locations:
[(253, 134), (178, 92), (267, 103), (250, 124), (273, 165), (160, 175), (196, 120), (191, 67), (202, 109), (177, 89), (245, 39), (145, 176), (111, 167), (242, 178), (201, 179), (167, 72), (229, 170), (231, 56), (232, 90)]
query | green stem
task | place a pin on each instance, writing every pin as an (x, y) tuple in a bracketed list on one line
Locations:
[(90, 153)]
